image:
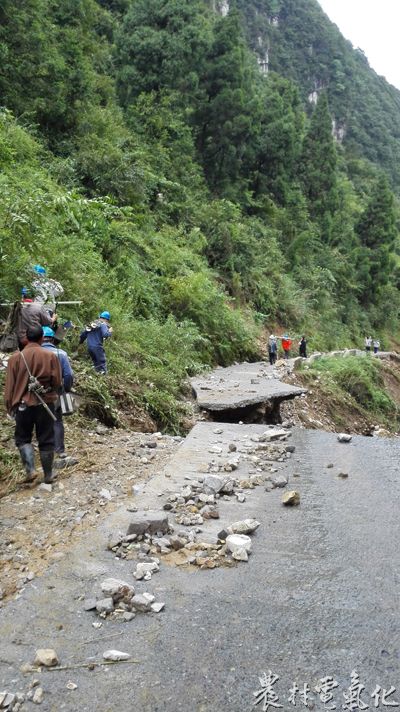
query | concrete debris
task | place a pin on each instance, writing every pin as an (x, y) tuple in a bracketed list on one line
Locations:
[(116, 655), (157, 607), (237, 542), (291, 498), (141, 603), (344, 438), (149, 522)]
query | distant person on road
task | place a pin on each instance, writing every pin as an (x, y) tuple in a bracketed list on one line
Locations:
[(303, 347), (272, 349), (286, 345), (368, 344), (377, 345), (95, 334), (67, 381)]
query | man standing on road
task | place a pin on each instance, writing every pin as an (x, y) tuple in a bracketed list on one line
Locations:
[(95, 335), (303, 347), (272, 350), (368, 344), (286, 345), (32, 385), (67, 381)]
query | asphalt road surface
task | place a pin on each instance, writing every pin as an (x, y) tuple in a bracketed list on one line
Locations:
[(319, 597)]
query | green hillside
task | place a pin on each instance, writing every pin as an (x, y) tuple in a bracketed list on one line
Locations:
[(305, 46), (156, 172)]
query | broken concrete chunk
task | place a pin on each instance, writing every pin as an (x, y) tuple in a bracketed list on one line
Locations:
[(271, 435), (237, 542), (157, 607), (291, 498), (115, 655), (46, 657), (148, 522), (213, 484)]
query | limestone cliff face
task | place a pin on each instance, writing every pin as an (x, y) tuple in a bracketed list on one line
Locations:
[(294, 38)]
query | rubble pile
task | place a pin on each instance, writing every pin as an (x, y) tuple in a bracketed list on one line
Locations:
[(120, 601)]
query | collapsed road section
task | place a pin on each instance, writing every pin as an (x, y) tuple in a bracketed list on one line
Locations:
[(250, 392)]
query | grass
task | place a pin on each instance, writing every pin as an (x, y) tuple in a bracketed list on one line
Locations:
[(357, 382)]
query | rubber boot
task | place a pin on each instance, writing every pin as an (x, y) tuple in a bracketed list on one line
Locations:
[(47, 458), (28, 460)]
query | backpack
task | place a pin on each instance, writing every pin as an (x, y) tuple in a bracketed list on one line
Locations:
[(9, 338)]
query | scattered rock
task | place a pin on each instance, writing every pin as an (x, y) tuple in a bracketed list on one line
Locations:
[(71, 685), (145, 567), (105, 494), (46, 657), (279, 481), (45, 487), (115, 655), (291, 498), (38, 695), (141, 603), (105, 605), (344, 438), (343, 475), (245, 526), (89, 604), (232, 447), (117, 590)]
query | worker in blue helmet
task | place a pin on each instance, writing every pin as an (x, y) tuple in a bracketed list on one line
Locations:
[(94, 335), (67, 375)]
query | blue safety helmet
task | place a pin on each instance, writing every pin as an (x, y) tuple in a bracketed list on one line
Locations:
[(39, 269), (105, 315), (47, 331)]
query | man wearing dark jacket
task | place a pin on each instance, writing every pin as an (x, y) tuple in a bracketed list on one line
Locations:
[(25, 405), (95, 335), (67, 381)]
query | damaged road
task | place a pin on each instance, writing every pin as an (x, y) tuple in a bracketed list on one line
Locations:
[(318, 596)]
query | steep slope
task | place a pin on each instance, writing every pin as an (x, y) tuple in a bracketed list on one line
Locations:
[(296, 39)]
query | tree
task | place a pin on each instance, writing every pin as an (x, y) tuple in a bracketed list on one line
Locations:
[(318, 164), (377, 231), (228, 119)]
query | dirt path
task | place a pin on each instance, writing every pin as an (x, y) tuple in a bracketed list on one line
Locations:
[(39, 527)]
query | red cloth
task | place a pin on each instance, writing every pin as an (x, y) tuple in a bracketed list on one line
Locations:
[(286, 344)]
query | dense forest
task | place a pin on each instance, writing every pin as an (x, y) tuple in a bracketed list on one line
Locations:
[(154, 170)]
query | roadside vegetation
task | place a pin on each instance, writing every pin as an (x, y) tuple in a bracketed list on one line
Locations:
[(354, 388)]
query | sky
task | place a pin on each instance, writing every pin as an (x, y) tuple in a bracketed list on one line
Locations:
[(374, 27)]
